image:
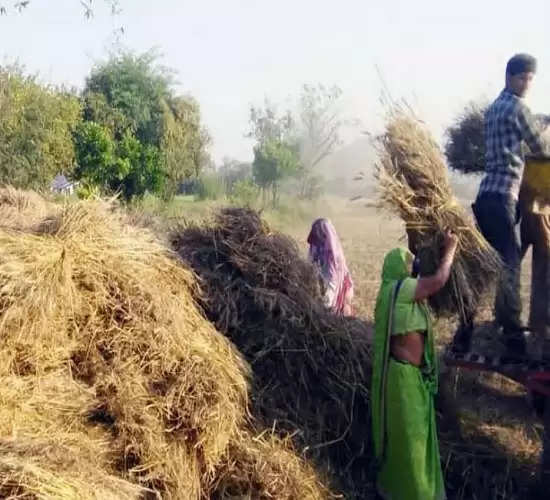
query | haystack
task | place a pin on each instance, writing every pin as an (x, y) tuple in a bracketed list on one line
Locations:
[(414, 184), (107, 301), (265, 467), (48, 449), (47, 470), (310, 368), (20, 209), (106, 360)]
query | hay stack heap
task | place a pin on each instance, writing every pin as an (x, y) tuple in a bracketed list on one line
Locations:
[(112, 384), (414, 184), (311, 369), (20, 209)]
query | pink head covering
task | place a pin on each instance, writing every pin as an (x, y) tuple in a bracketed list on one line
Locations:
[(325, 250)]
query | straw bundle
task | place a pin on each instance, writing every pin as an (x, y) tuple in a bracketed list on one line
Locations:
[(20, 208), (112, 383), (414, 184), (311, 369)]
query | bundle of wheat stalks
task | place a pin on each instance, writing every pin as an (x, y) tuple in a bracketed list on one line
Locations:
[(112, 383), (414, 184)]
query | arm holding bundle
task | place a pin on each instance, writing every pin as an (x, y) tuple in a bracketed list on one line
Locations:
[(430, 285)]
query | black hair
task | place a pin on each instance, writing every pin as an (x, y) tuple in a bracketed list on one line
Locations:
[(521, 63)]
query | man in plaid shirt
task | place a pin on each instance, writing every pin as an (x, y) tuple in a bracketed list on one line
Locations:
[(509, 125)]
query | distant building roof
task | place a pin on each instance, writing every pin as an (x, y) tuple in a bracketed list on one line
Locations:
[(60, 182)]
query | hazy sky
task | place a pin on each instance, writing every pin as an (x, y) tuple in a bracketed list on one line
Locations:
[(437, 54)]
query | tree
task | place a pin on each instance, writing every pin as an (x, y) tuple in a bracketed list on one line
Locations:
[(276, 153), (273, 162), (320, 123), (136, 87), (36, 126), (232, 172), (319, 126), (315, 128), (142, 165), (267, 124), (95, 153), (97, 109), (184, 142), (127, 166), (87, 5), (465, 140), (132, 94)]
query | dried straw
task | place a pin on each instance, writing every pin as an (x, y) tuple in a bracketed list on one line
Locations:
[(20, 209), (48, 449), (112, 383), (414, 184), (266, 467), (311, 369), (45, 470), (108, 301)]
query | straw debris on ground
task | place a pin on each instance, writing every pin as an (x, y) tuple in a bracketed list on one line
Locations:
[(414, 185), (112, 382), (311, 369)]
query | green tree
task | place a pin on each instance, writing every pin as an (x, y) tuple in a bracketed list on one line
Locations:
[(244, 192), (184, 142), (274, 161), (36, 126), (95, 153), (142, 164), (97, 109), (315, 128), (136, 87), (132, 94), (127, 166)]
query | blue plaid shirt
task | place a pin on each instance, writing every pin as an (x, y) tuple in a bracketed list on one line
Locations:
[(508, 123)]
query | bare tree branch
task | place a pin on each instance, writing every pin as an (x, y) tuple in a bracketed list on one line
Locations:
[(21, 5)]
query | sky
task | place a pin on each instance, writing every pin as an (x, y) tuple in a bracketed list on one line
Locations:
[(229, 54)]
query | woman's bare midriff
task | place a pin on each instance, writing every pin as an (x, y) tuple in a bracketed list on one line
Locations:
[(408, 347)]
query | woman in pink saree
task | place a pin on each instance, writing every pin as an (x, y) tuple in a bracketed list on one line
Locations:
[(325, 251)]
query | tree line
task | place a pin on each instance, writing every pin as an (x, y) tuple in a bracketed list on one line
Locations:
[(291, 144), (128, 131)]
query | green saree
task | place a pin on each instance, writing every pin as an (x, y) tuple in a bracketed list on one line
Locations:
[(403, 415)]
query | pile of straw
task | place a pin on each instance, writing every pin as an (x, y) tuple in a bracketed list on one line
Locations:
[(265, 467), (20, 209), (113, 385), (414, 184), (311, 369)]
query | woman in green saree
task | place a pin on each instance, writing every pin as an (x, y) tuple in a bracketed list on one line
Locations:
[(404, 380)]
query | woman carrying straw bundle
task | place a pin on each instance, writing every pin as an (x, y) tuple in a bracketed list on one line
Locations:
[(326, 252), (405, 379)]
